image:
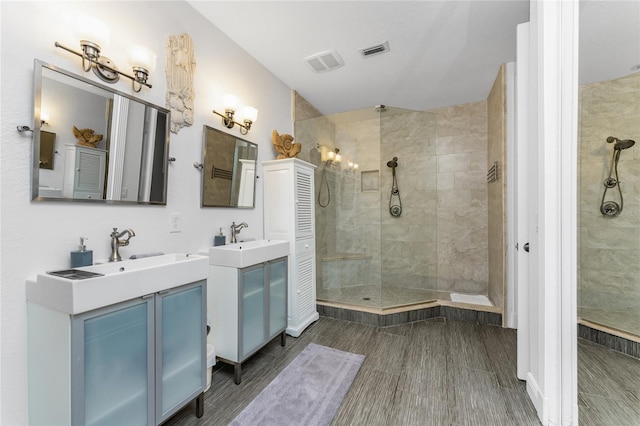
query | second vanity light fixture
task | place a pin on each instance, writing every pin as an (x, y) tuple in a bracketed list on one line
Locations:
[(331, 157), (93, 35), (231, 105)]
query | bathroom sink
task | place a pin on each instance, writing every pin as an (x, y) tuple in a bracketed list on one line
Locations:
[(240, 255), (86, 288)]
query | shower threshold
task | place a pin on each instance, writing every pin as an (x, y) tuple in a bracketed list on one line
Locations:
[(390, 316), (391, 309)]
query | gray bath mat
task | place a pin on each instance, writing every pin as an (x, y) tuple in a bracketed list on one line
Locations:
[(308, 391)]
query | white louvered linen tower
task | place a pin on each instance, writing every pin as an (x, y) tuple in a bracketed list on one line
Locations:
[(289, 214)]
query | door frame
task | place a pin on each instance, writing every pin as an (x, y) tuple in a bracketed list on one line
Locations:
[(547, 329)]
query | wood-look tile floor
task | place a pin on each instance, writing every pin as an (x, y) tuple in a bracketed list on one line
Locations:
[(434, 372)]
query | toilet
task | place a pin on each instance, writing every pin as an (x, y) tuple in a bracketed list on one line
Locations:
[(211, 361)]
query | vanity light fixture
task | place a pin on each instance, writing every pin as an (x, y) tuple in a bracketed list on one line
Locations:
[(94, 35), (231, 105)]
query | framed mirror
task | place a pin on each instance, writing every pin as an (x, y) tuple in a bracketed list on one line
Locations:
[(106, 147), (229, 170)]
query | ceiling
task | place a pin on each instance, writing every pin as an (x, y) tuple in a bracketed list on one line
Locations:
[(441, 53)]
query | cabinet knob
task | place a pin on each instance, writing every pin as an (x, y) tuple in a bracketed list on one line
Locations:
[(306, 246), (88, 196)]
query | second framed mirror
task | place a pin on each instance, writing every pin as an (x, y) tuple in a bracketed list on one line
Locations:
[(229, 170)]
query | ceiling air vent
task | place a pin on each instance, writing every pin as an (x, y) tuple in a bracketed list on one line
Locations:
[(375, 50), (325, 61)]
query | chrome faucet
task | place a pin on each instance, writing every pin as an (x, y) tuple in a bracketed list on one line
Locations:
[(235, 230), (116, 243)]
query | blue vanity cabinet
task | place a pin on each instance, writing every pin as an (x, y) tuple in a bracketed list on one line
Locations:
[(277, 296), (248, 309), (112, 368), (135, 362), (181, 348)]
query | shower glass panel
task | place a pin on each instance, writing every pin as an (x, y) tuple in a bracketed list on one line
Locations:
[(609, 238), (365, 255)]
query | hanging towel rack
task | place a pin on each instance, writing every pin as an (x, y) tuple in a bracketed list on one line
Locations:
[(493, 173)]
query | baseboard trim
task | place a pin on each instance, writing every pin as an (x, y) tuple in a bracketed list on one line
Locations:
[(297, 331)]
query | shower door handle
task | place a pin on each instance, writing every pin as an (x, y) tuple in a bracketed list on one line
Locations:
[(526, 247)]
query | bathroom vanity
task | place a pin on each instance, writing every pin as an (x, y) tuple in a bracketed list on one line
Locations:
[(118, 343), (247, 298)]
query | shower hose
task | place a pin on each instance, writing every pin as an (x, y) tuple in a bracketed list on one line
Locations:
[(395, 204), (611, 208)]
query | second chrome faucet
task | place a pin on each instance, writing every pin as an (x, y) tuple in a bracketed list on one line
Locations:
[(235, 230)]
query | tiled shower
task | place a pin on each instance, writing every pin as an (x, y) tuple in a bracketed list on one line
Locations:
[(439, 243), (609, 246)]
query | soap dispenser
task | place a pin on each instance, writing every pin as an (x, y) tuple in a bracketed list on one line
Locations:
[(82, 256), (219, 240)]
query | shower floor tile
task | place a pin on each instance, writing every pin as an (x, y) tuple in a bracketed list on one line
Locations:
[(373, 296)]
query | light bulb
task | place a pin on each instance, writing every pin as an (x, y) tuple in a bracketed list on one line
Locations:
[(92, 29), (143, 57), (250, 113), (231, 102)]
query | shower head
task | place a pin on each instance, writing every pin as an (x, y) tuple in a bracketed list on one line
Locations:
[(393, 163), (620, 144), (627, 143)]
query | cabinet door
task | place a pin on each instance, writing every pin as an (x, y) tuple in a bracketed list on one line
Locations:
[(181, 347), (90, 168), (305, 213), (112, 365), (303, 293), (277, 296), (252, 309)]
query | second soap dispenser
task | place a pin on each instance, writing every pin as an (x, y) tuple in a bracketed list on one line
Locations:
[(82, 256), (219, 240)]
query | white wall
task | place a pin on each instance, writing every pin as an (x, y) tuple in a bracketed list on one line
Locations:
[(36, 237)]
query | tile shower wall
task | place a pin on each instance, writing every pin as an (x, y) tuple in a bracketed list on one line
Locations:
[(462, 198), (496, 145), (440, 241), (609, 270), (408, 243), (311, 128), (358, 210)]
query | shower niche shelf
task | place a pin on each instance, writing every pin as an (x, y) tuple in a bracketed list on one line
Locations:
[(370, 180)]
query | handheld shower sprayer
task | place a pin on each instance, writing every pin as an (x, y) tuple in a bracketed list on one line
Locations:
[(612, 208), (395, 204)]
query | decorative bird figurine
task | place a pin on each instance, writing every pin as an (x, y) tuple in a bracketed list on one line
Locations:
[(284, 145), (86, 137)]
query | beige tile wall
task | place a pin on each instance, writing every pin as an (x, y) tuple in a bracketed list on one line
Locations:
[(496, 147), (440, 240), (609, 248), (461, 151)]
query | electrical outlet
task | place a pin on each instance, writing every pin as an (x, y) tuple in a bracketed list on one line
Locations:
[(175, 222)]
